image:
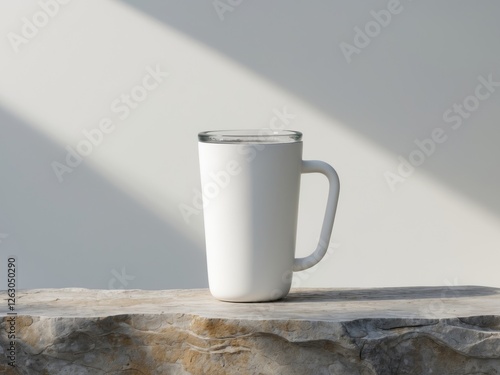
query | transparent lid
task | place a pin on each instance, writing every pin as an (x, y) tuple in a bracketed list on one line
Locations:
[(250, 136)]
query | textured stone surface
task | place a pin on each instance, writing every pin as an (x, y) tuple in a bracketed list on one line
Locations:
[(425, 330)]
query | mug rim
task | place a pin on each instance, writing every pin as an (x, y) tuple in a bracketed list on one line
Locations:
[(262, 135)]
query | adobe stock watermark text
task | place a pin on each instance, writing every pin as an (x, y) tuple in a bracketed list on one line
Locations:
[(223, 6), (363, 36), (121, 107), (454, 117), (31, 26), (220, 180)]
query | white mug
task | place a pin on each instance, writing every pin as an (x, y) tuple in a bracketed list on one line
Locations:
[(250, 184)]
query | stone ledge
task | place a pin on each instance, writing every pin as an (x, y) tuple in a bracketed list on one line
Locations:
[(422, 330)]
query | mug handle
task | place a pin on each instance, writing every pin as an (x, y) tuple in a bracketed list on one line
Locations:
[(316, 166)]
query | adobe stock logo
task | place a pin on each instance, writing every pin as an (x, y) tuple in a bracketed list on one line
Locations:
[(31, 26)]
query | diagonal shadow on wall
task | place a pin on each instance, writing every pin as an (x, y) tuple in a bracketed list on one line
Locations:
[(394, 91), (86, 230)]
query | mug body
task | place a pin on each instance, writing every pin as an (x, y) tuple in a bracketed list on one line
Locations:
[(250, 197)]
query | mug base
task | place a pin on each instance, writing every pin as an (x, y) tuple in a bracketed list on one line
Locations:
[(252, 298)]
